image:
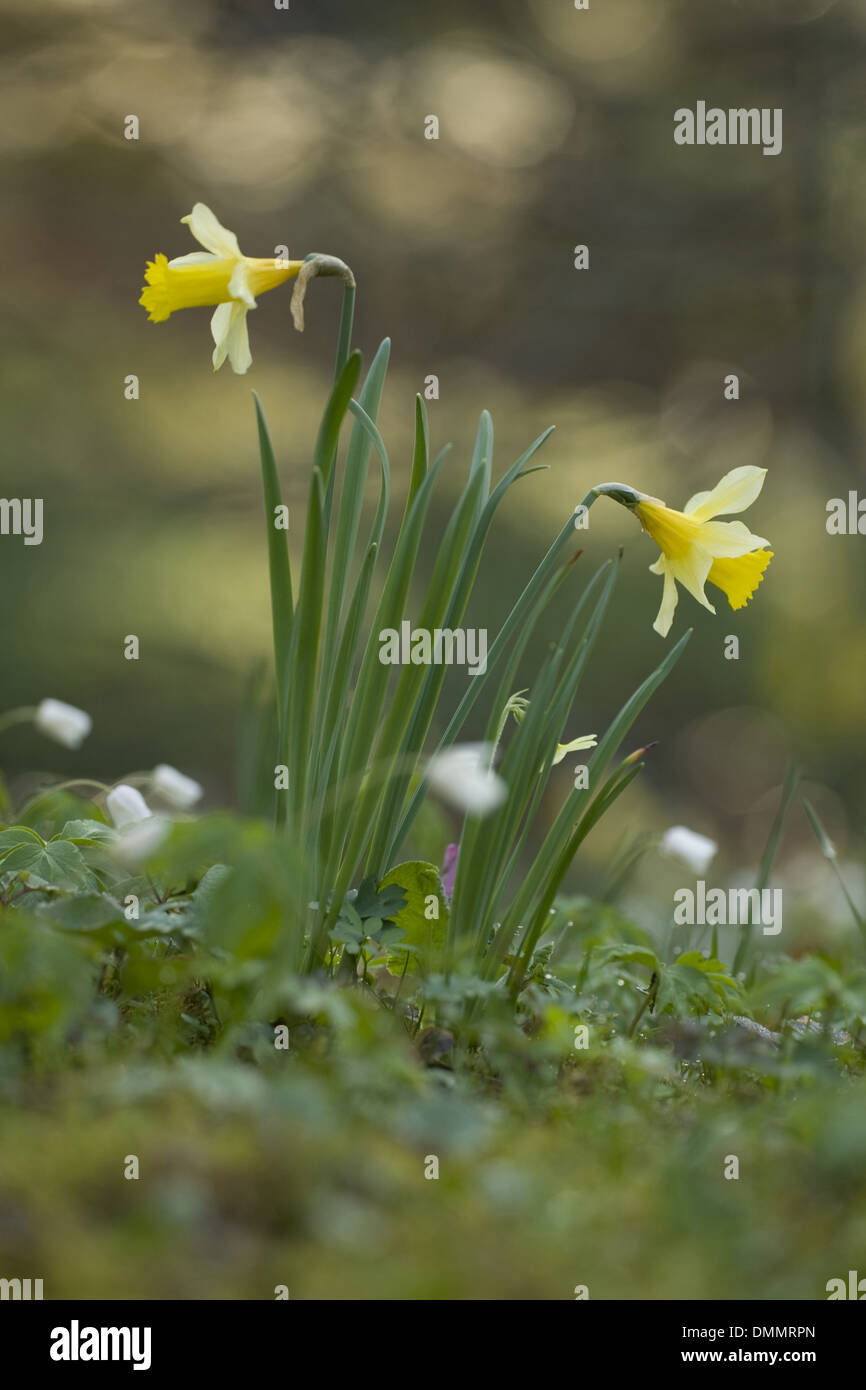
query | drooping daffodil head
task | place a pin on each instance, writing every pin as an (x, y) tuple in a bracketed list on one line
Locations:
[(219, 275), (697, 549)]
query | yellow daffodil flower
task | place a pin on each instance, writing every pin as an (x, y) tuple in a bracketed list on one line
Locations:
[(219, 275), (695, 548)]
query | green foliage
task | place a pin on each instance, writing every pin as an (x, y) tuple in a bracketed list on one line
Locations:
[(369, 915), (162, 975), (424, 914), (695, 985), (204, 940), (353, 734), (52, 864), (45, 985), (814, 987)]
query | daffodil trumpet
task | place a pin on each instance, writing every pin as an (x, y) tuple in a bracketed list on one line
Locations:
[(695, 548), (220, 275)]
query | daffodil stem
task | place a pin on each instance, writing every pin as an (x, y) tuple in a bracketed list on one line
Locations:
[(500, 730), (347, 319), (317, 264)]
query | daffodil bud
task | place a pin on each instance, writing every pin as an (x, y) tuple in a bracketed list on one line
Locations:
[(639, 753), (126, 805), (176, 788), (463, 776), (64, 723)]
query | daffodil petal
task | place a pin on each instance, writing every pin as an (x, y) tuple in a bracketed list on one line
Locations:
[(239, 285), (219, 326), (670, 597), (240, 357), (734, 493), (229, 328), (195, 258), (691, 571), (659, 566), (210, 233), (729, 538)]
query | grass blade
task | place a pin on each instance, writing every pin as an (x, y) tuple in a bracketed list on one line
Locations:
[(561, 830), (789, 789), (279, 568)]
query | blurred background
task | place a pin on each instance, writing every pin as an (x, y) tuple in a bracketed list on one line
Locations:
[(306, 128)]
